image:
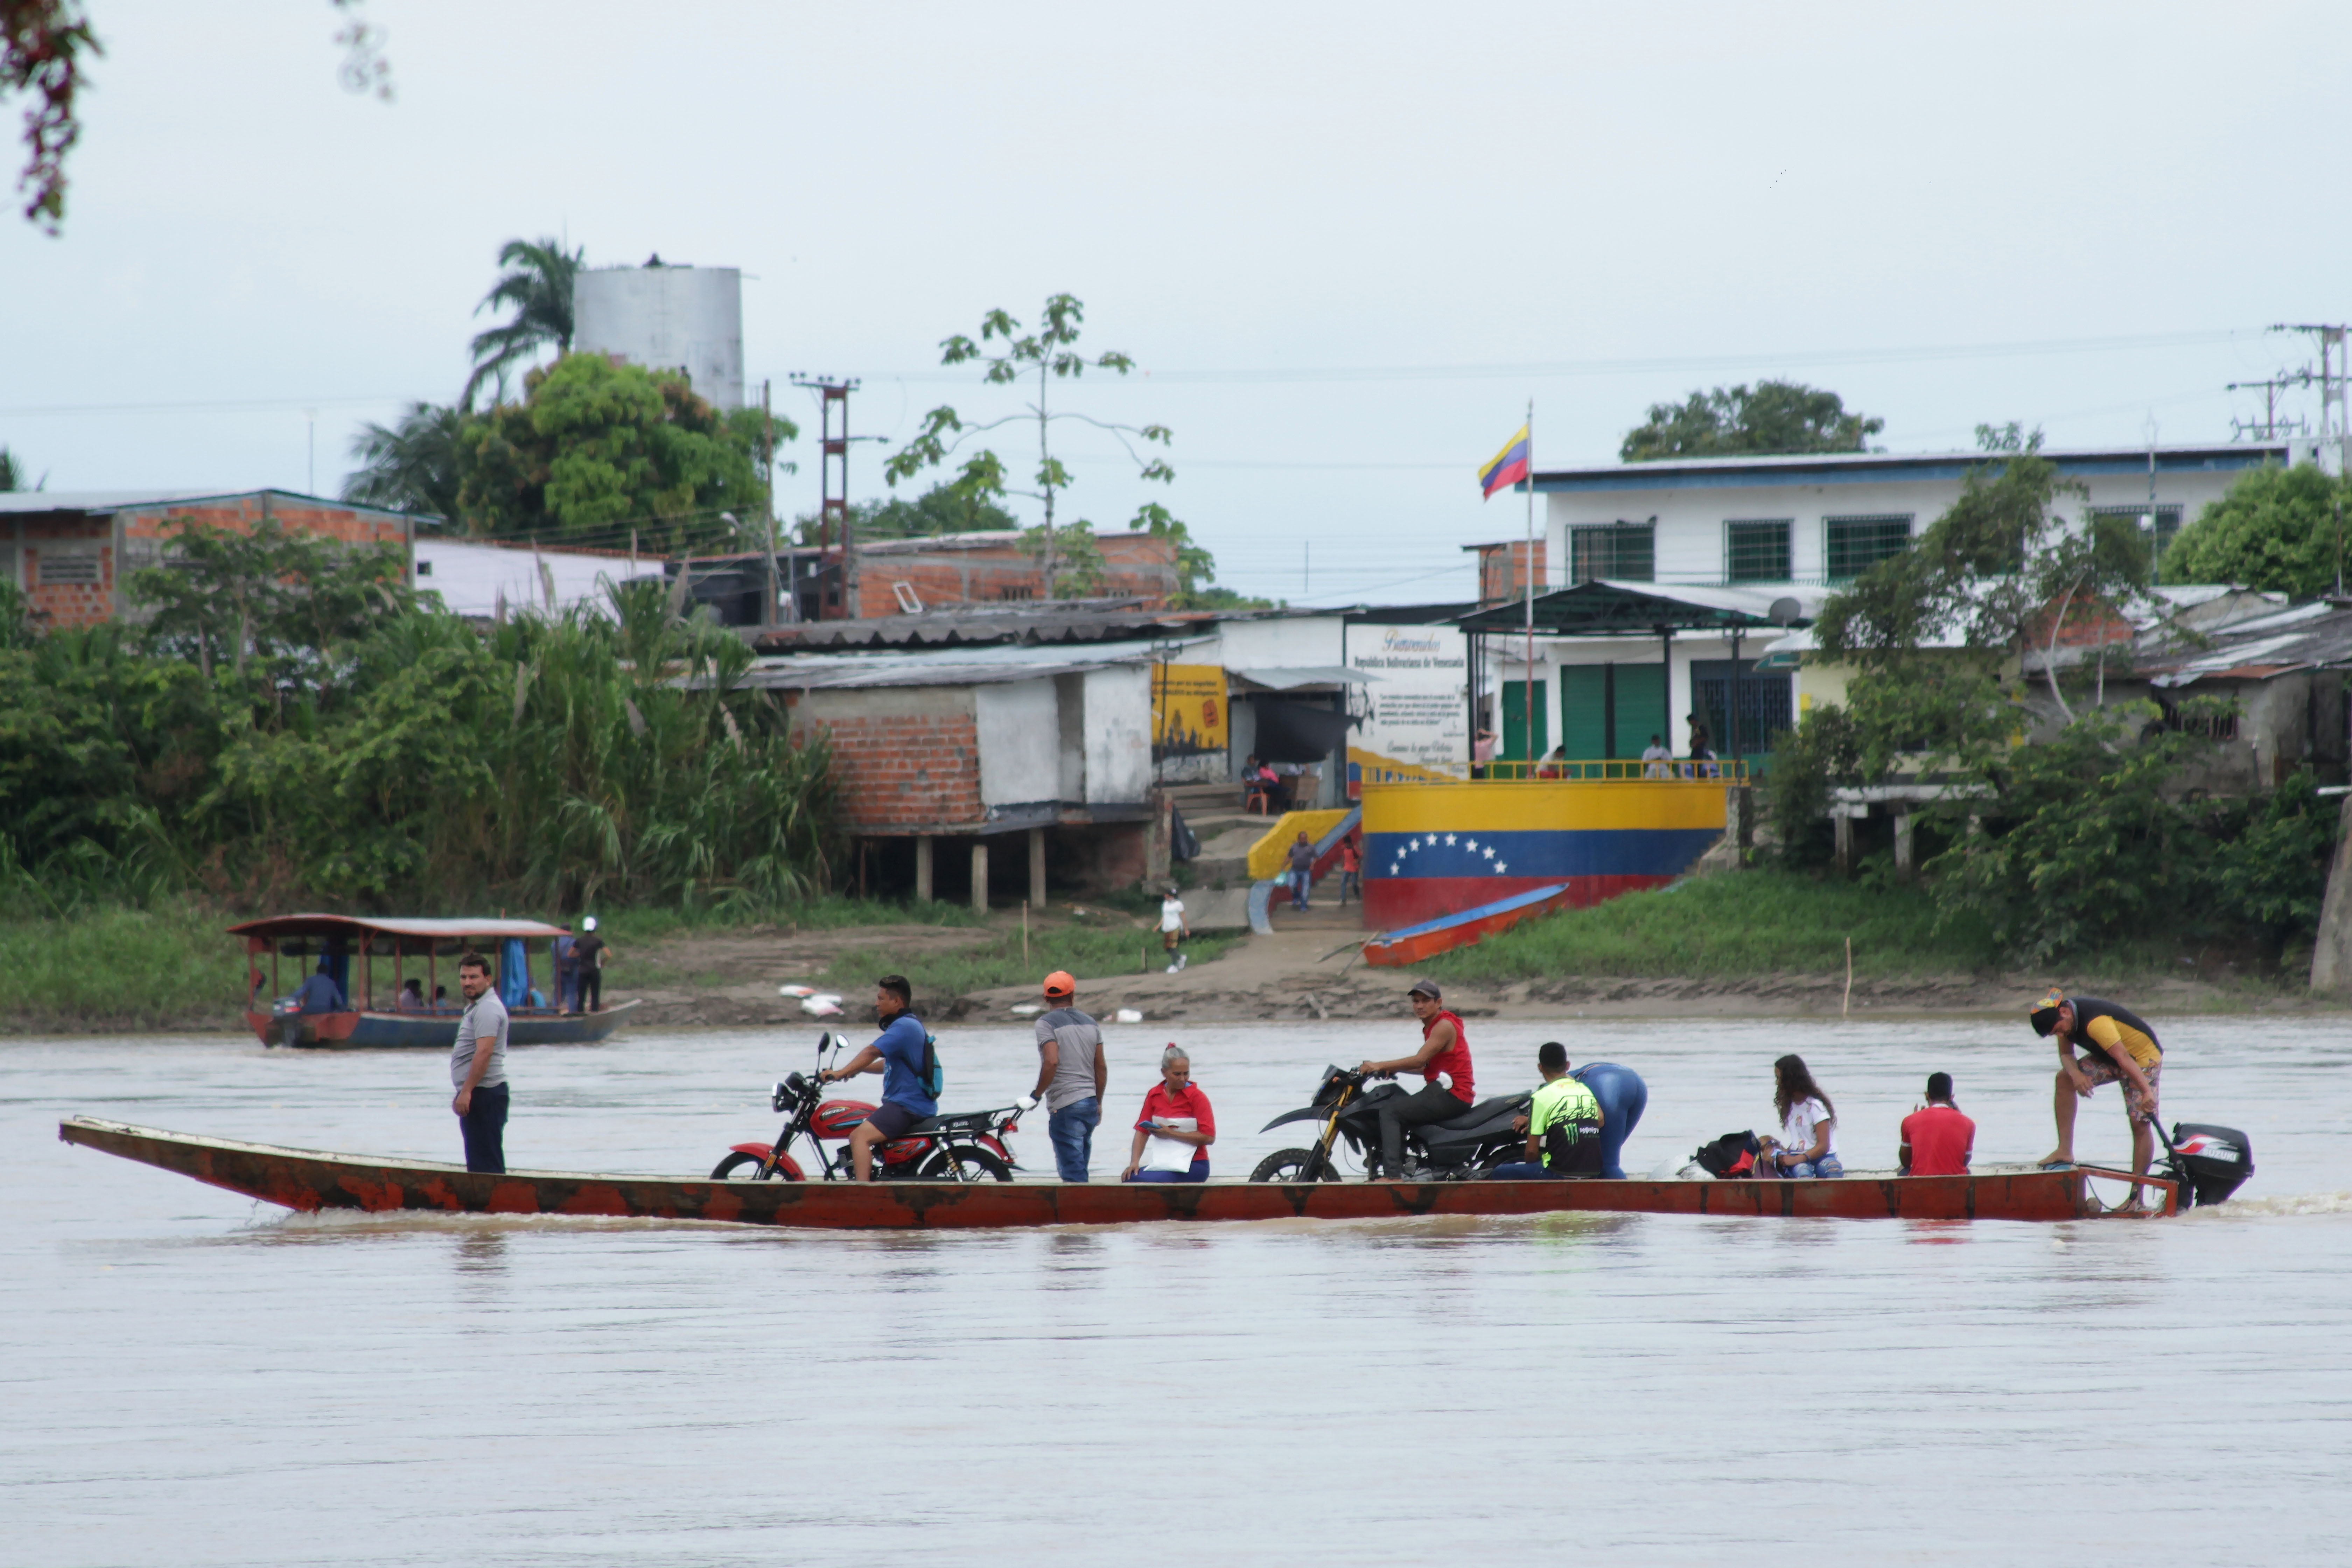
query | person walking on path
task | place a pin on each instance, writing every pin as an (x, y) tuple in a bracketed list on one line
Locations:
[(1937, 1140), (1562, 1106), (899, 1053), (1173, 1108), (478, 1068), (589, 954), (1071, 1076), (1351, 868), (1172, 929), (1302, 869), (1443, 1055), (2120, 1047)]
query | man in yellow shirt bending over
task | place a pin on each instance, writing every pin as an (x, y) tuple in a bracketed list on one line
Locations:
[(2117, 1046)]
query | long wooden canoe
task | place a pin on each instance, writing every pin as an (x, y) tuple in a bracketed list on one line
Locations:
[(310, 1180), (434, 1031)]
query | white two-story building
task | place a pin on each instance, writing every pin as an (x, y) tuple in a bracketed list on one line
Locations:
[(1774, 528)]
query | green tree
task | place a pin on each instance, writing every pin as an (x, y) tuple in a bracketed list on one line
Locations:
[(11, 474), (293, 604), (1774, 416), (537, 286), (939, 511), (596, 451), (411, 466), (2276, 529), (1049, 355)]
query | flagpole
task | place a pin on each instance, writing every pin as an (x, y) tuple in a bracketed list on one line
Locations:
[(1527, 570)]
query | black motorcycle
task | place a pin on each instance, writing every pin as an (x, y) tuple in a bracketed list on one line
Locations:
[(1460, 1149)]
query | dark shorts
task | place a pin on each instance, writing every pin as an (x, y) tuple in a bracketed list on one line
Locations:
[(892, 1120)]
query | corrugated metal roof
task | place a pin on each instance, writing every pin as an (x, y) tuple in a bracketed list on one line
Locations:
[(352, 925), (104, 502), (960, 667)]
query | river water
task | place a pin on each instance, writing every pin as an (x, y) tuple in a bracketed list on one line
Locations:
[(191, 1378)]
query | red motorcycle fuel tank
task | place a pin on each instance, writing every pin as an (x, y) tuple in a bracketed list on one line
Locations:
[(839, 1118)]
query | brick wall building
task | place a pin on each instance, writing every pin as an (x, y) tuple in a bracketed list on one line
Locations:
[(72, 553), (998, 566)]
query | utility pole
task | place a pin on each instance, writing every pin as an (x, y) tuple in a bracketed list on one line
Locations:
[(2335, 432), (834, 525), (774, 611), (2273, 424)]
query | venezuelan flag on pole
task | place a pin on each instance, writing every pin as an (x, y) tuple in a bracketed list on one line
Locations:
[(1508, 467)]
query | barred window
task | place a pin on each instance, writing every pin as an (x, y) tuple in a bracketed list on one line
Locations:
[(2158, 524), (1858, 544), (1756, 550), (79, 567), (1626, 550)]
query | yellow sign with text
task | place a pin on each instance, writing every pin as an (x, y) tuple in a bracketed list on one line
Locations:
[(1188, 710)]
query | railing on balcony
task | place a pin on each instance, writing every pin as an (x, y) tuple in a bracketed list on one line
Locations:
[(1611, 770)]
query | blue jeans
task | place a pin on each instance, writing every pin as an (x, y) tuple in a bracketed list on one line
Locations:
[(1825, 1168), (1300, 883), (1072, 1129), (1198, 1172), (1521, 1171), (1624, 1097)]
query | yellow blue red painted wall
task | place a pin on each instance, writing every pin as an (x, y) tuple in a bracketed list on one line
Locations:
[(1436, 849)]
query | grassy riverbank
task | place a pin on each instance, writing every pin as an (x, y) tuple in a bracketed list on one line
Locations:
[(1774, 923), (120, 971)]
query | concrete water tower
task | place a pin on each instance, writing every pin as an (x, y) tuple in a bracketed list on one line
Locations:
[(666, 318)]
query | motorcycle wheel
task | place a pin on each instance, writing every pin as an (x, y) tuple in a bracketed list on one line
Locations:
[(978, 1166), (1295, 1166), (741, 1167)]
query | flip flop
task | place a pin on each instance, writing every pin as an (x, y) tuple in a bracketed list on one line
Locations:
[(2055, 1165)]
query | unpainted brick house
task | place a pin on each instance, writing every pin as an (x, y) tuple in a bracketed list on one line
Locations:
[(72, 553)]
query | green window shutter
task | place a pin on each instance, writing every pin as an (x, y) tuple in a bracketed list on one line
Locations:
[(1641, 708), (1584, 710), (1514, 721)]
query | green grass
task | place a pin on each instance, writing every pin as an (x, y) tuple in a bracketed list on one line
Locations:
[(1085, 952), (120, 970), (1756, 923), (633, 928)]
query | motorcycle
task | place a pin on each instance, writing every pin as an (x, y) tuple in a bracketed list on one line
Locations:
[(966, 1147), (1465, 1147)]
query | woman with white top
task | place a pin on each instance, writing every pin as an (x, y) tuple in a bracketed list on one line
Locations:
[(1807, 1146)]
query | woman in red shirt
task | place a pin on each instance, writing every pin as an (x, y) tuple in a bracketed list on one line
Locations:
[(1175, 1110)]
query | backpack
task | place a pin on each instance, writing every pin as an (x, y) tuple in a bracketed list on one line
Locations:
[(1733, 1154), (935, 1077)]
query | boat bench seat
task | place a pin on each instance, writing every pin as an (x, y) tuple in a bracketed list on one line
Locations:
[(961, 1121)]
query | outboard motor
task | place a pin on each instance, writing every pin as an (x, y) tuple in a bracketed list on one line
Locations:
[(2210, 1162)]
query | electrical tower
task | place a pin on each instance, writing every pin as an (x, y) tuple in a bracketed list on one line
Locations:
[(835, 531)]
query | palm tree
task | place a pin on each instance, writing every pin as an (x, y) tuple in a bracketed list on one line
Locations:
[(410, 467), (537, 284)]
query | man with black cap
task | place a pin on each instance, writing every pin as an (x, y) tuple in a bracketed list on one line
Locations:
[(2125, 1052), (1444, 1054)]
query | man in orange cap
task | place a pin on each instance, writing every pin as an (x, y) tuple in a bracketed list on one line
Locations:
[(1071, 1076)]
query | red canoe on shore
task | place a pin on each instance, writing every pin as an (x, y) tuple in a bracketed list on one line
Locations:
[(309, 1180)]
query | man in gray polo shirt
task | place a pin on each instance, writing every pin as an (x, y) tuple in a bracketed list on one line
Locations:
[(1070, 1076), (477, 1066)]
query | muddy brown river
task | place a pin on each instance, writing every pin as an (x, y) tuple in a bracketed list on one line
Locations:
[(191, 1378)]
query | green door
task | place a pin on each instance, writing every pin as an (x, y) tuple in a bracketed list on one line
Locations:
[(1584, 710), (1641, 708), (1514, 721)]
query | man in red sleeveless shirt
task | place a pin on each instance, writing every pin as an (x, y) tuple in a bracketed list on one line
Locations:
[(1444, 1063), (1938, 1139)]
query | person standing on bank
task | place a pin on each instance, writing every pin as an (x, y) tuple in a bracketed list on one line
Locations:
[(1172, 929), (897, 1053), (2119, 1046), (1444, 1055), (1174, 1099), (1071, 1076), (478, 1068), (1302, 870), (589, 954)]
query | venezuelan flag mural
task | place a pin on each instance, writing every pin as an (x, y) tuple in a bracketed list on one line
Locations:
[(1432, 850)]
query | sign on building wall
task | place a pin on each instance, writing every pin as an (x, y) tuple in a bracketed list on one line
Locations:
[(1416, 725), (1188, 712)]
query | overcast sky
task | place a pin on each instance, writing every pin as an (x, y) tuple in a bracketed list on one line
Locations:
[(1345, 243)]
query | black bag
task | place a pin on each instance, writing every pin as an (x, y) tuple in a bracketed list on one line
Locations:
[(1733, 1154), (1183, 843)]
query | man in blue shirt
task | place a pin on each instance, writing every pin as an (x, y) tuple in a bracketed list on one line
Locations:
[(897, 1055), (319, 994)]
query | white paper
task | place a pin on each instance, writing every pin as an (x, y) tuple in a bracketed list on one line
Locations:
[(1171, 1153)]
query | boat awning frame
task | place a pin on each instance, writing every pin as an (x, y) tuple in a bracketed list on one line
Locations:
[(278, 926), (1607, 608)]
